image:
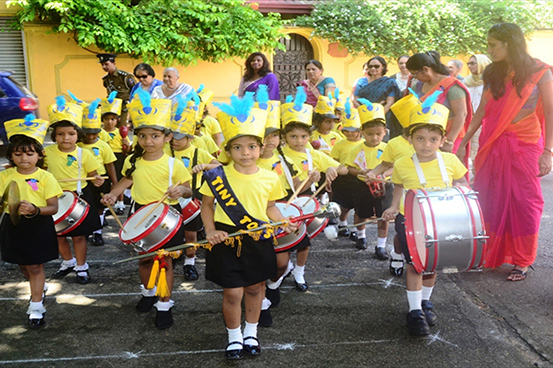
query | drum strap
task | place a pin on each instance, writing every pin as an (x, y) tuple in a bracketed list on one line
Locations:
[(441, 165), (79, 169), (171, 163), (194, 176), (310, 168), (227, 200), (287, 172)]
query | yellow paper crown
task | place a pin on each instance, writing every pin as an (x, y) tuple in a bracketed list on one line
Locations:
[(206, 95), (273, 113), (183, 120), (62, 110), (112, 105), (339, 100), (296, 110), (370, 111), (436, 114), (350, 118), (239, 118), (149, 113), (324, 106), (91, 118), (30, 126), (402, 109)]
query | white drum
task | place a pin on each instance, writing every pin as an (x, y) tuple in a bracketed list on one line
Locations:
[(315, 225), (72, 211), (155, 231), (286, 241), (190, 209), (445, 230)]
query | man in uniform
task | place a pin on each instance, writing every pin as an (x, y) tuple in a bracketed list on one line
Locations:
[(117, 80)]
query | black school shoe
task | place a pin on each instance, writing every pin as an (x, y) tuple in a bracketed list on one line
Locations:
[(273, 295), (164, 319), (97, 240), (252, 349), (428, 309), (234, 354), (36, 322), (380, 253), (265, 318), (146, 303), (190, 273), (416, 323), (62, 272), (343, 232), (84, 278), (361, 244)]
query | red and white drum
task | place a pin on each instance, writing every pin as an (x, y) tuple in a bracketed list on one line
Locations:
[(155, 231), (445, 230), (72, 211), (315, 225), (190, 209), (287, 241), (378, 188)]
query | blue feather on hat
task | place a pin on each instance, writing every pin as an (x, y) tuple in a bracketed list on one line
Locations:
[(366, 102), (112, 95), (289, 98), (145, 99), (414, 93), (181, 104), (262, 96), (92, 108), (431, 100), (337, 94), (193, 96), (28, 120), (60, 102), (200, 88), (74, 97), (347, 109), (239, 108), (300, 99)]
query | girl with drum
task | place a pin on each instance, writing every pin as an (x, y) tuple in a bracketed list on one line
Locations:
[(153, 174), (296, 119), (67, 161), (38, 193), (241, 267), (427, 168), (196, 160)]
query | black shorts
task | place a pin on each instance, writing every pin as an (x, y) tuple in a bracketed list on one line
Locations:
[(118, 164), (343, 191), (367, 206), (91, 222), (104, 188), (402, 236)]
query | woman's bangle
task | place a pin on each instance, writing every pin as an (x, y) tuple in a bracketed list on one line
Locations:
[(548, 150), (449, 142), (36, 214)]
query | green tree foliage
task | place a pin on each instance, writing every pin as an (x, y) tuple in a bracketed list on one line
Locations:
[(159, 31), (394, 27)]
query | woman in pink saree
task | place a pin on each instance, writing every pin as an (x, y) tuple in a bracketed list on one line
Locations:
[(516, 115)]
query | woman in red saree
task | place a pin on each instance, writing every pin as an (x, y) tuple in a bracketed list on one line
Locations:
[(516, 115), (433, 76)]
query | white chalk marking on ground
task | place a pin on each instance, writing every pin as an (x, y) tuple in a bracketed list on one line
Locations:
[(436, 337), (130, 355), (204, 291)]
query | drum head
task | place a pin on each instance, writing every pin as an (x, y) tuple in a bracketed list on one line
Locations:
[(134, 233), (287, 241), (309, 208), (416, 230), (65, 203)]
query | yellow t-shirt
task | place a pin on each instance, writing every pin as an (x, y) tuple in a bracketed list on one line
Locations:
[(211, 126), (35, 188), (273, 164), (64, 165), (262, 187), (342, 150), (321, 161), (104, 136), (187, 157), (397, 148), (327, 140), (101, 151), (338, 129), (405, 173), (206, 142), (151, 178), (115, 140), (363, 157)]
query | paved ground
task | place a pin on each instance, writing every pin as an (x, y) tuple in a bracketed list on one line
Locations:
[(353, 315)]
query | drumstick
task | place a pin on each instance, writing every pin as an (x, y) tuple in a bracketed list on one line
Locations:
[(114, 214), (158, 203), (363, 177), (300, 188), (81, 179), (315, 194)]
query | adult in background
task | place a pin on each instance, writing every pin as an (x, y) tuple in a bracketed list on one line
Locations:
[(455, 67), (402, 77), (316, 83), (378, 88), (516, 115), (171, 87), (433, 76), (475, 85), (257, 72), (365, 75), (117, 80), (145, 75)]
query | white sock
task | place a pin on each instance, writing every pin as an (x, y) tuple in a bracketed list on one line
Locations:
[(102, 220), (394, 255), (127, 193), (163, 306), (81, 267), (250, 330), (343, 223), (426, 292), (36, 310), (189, 261), (361, 234), (415, 300), (234, 335), (265, 304), (148, 292), (98, 232), (69, 263), (273, 285), (298, 273), (381, 242)]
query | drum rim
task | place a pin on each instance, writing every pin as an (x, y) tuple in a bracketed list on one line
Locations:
[(69, 210), (317, 207), (301, 213), (465, 190), (77, 223), (150, 229), (300, 238), (409, 231), (319, 229)]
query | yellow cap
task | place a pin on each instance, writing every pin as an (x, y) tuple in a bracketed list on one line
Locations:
[(402, 109), (436, 114), (296, 110), (370, 111), (30, 126), (183, 121), (273, 113), (146, 112), (325, 106), (112, 105), (91, 118), (350, 118), (62, 110), (240, 118)]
